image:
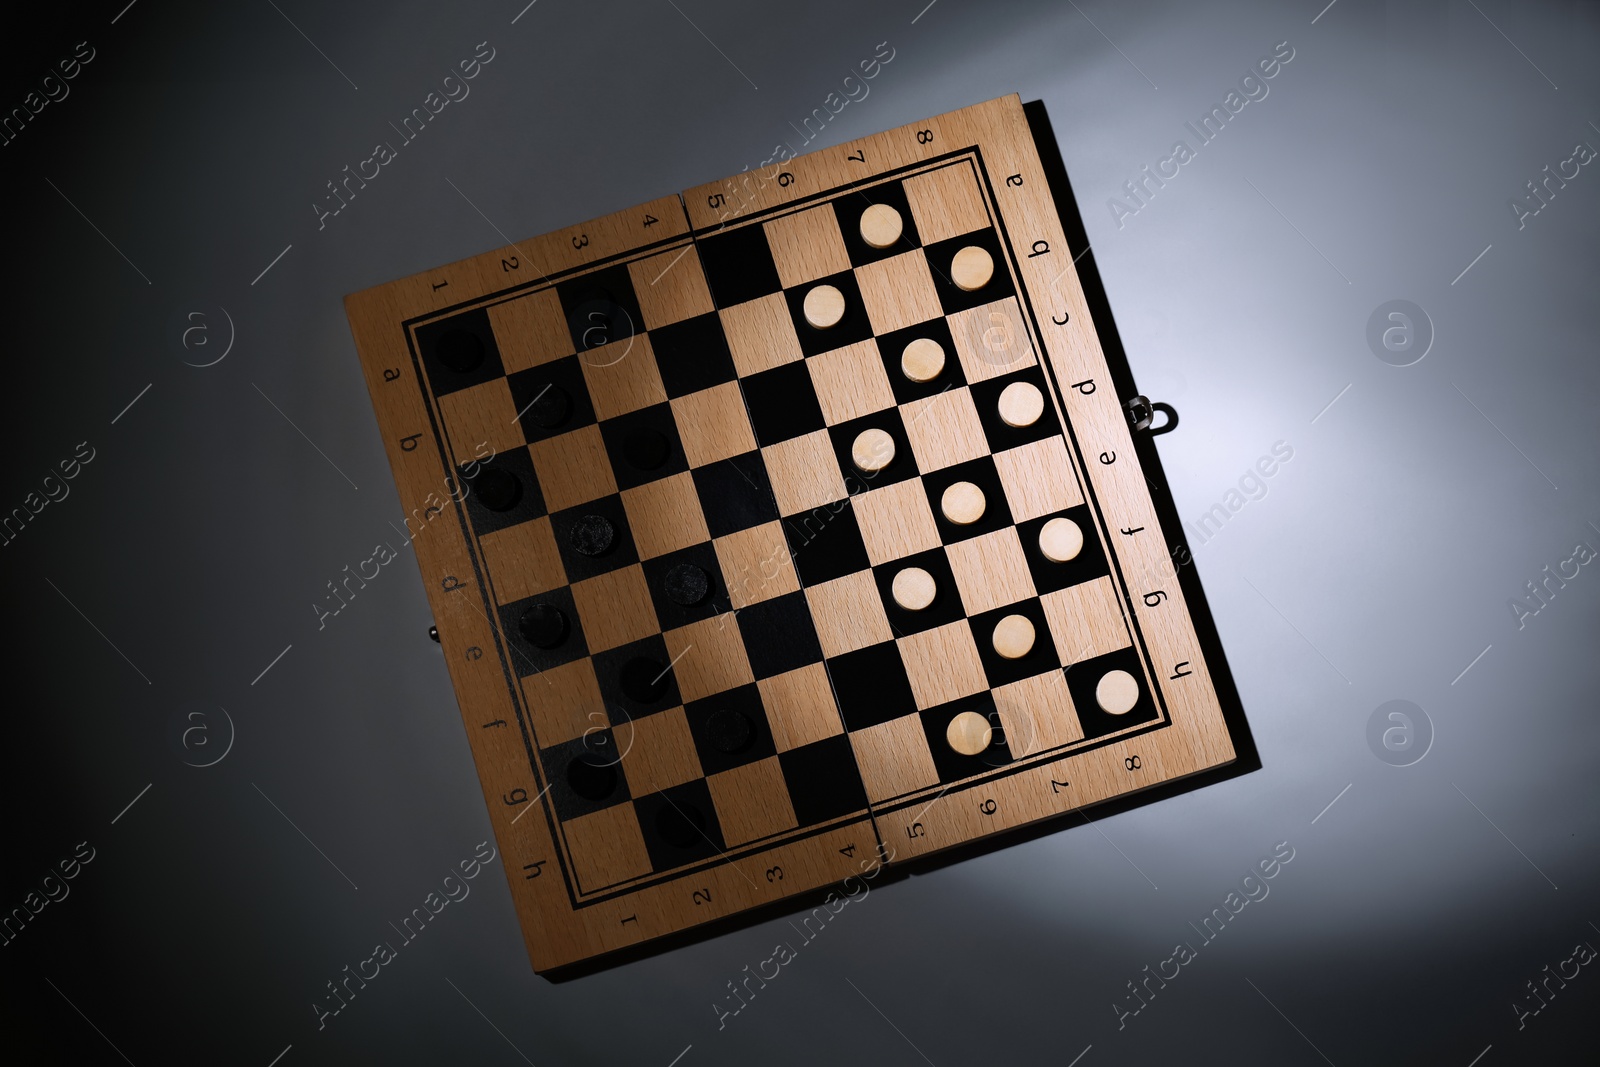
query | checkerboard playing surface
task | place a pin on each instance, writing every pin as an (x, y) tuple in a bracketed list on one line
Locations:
[(774, 551)]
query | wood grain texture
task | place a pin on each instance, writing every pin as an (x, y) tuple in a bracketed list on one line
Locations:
[(586, 882)]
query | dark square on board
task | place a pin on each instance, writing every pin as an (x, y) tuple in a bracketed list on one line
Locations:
[(729, 729), (779, 635), (853, 327), (636, 680), (997, 668), (891, 346), (735, 494), (951, 296), (502, 491), (692, 355), (849, 208), (825, 544), (871, 686), (643, 446), (782, 403), (686, 586), (946, 606), (551, 399), (584, 774), (459, 352), (1000, 435), (902, 466), (823, 780), (738, 265), (980, 472), (1087, 565), (600, 307), (1082, 680), (952, 765), (542, 631), (680, 825)]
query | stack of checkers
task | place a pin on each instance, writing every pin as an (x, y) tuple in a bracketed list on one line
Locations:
[(782, 526)]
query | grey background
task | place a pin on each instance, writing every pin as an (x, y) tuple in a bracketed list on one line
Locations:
[(1378, 565)]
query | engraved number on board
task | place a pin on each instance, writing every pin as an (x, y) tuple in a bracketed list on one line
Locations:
[(988, 807), (630, 919), (716, 200), (774, 874), (859, 155), (849, 850), (1056, 787), (510, 263), (580, 241), (650, 220), (924, 136), (441, 285), (702, 896), (916, 830), (1132, 763), (786, 179)]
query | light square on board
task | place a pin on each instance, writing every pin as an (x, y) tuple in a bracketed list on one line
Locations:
[(804, 473), (708, 657), (895, 521), (713, 424), (670, 287), (944, 429), (800, 707), (991, 570), (665, 515), (1038, 478), (756, 564), (572, 468), (615, 608), (807, 245), (991, 340), (898, 292), (657, 751), (530, 330), (522, 560), (752, 801), (607, 847), (942, 664), (894, 758), (564, 702), (481, 414), (1037, 714), (622, 376), (946, 202), (848, 614), (850, 382), (760, 334), (1086, 620)]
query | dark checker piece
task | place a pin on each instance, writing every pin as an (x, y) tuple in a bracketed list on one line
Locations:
[(502, 491), (687, 584), (593, 538), (779, 635), (636, 679), (551, 398), (647, 449), (592, 535), (544, 626), (584, 774), (497, 489)]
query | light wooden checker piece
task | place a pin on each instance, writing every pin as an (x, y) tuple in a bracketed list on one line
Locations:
[(678, 669)]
